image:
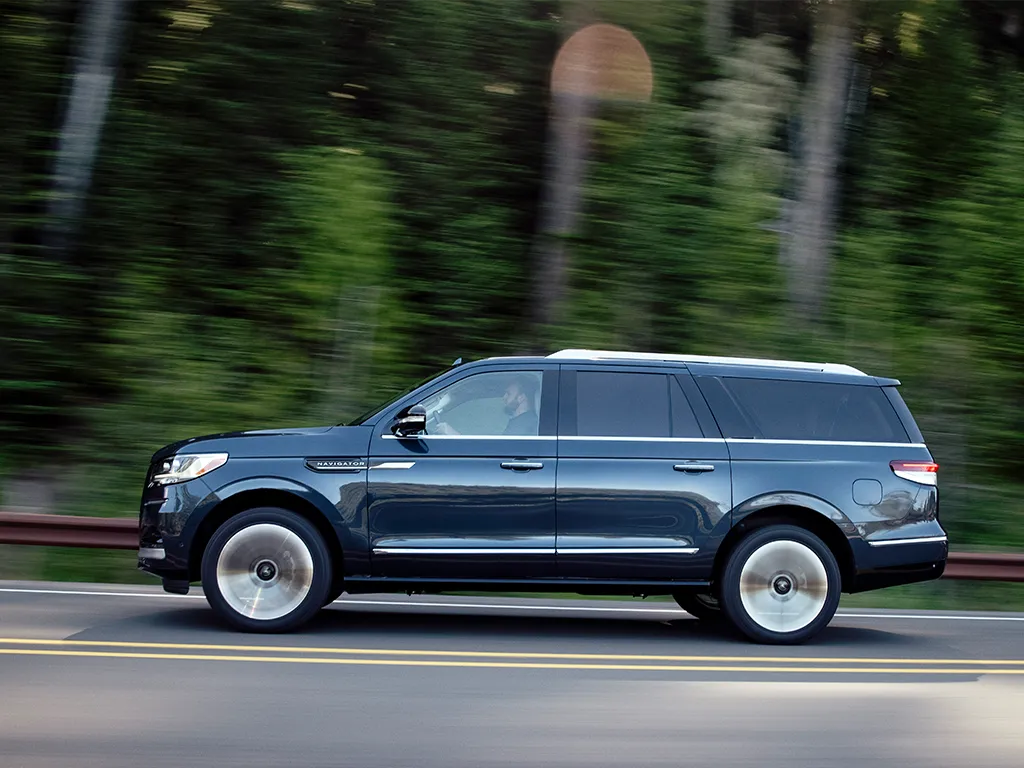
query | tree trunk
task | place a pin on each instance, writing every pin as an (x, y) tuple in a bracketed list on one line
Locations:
[(717, 26), (567, 152), (568, 144), (812, 226), (94, 69)]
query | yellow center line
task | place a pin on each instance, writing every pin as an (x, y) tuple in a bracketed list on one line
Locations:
[(505, 654), (508, 664)]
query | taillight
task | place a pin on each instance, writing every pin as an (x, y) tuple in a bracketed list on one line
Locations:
[(924, 472)]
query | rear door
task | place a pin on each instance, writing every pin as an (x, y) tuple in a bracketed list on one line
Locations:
[(643, 475)]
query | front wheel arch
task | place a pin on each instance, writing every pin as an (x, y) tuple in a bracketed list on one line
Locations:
[(265, 497)]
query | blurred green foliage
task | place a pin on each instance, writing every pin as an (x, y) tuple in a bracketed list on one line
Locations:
[(300, 207)]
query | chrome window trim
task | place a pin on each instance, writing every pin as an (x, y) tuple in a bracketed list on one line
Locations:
[(644, 439), (469, 437), (912, 540), (765, 441), (628, 439)]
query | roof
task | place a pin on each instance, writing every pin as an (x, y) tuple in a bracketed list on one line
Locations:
[(597, 354)]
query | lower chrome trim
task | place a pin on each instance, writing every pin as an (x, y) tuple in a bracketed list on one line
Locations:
[(918, 540), (479, 551), (629, 551), (152, 553), (394, 465), (474, 551)]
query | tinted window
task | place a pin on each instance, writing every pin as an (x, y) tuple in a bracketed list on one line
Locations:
[(806, 410), (684, 422), (623, 404), (495, 403)]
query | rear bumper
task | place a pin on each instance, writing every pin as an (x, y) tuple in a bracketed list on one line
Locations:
[(897, 561)]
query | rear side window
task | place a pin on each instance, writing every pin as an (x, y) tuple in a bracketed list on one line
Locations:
[(808, 410), (610, 404)]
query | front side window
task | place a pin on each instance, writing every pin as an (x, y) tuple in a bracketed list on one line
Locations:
[(487, 404)]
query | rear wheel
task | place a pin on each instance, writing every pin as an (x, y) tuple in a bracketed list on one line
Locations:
[(781, 585), (700, 605), (266, 570)]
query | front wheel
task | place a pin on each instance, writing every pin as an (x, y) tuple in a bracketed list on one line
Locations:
[(266, 570), (781, 585)]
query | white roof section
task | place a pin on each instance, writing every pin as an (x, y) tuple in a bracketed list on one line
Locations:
[(600, 354)]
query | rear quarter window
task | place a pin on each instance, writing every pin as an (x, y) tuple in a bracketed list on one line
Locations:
[(807, 410)]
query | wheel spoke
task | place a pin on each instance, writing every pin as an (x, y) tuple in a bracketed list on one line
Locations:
[(264, 571), (783, 586)]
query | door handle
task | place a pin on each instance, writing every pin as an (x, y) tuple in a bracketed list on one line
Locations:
[(694, 468), (522, 466)]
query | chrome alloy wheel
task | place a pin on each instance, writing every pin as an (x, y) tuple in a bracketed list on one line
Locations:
[(783, 586), (264, 571)]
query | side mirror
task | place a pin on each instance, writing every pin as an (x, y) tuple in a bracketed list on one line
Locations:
[(410, 421)]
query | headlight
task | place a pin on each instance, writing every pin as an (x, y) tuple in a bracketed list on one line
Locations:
[(179, 469)]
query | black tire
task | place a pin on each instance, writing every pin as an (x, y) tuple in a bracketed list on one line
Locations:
[(299, 575), (701, 605), (336, 591), (785, 566)]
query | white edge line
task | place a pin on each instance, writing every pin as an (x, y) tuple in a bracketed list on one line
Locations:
[(501, 606), (93, 594)]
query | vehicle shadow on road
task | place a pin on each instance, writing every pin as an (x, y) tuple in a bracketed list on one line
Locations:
[(348, 625)]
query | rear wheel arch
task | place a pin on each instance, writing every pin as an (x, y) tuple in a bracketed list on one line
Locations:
[(812, 520)]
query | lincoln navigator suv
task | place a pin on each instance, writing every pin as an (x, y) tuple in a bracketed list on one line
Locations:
[(752, 491)]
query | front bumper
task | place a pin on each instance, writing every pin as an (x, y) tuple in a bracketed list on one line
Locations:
[(164, 537)]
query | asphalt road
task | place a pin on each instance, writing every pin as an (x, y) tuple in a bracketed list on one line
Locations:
[(111, 676)]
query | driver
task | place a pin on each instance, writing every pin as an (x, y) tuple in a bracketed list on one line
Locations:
[(518, 404)]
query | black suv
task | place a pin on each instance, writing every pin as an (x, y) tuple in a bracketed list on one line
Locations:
[(754, 490)]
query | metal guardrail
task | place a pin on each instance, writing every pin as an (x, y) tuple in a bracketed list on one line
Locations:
[(123, 533), (69, 531)]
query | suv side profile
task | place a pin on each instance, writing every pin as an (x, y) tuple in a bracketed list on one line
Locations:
[(754, 491)]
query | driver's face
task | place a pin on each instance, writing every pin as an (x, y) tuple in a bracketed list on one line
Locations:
[(511, 397)]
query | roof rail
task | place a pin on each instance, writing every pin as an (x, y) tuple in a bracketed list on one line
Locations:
[(599, 354)]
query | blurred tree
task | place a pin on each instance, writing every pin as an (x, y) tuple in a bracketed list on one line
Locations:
[(301, 205), (36, 348), (457, 92), (810, 224), (743, 116)]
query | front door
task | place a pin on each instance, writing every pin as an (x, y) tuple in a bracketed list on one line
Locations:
[(474, 496), (641, 484)]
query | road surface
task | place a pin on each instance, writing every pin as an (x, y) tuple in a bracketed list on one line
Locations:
[(112, 676)]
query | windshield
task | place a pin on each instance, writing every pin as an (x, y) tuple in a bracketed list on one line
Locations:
[(373, 412)]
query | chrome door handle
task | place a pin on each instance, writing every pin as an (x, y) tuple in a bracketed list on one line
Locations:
[(522, 465), (694, 468)]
